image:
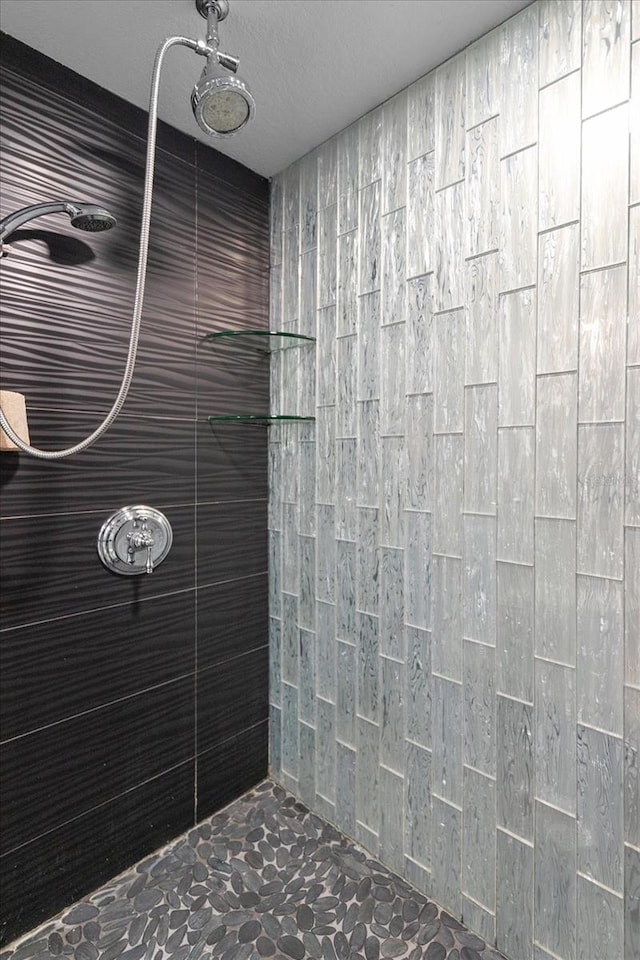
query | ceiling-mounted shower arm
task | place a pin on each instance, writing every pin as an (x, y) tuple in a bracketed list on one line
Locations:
[(213, 12)]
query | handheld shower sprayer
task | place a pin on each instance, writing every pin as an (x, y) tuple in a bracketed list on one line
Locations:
[(222, 105)]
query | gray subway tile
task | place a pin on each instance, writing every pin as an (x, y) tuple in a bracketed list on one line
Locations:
[(555, 725), (290, 730), (419, 452), (346, 419), (447, 739), (392, 377), (367, 561), (369, 346), (483, 188), (290, 649), (419, 336), (519, 219), (367, 774), (632, 766), (556, 446), (275, 660), (346, 694), (450, 122), (448, 455), (632, 605), (600, 652), (421, 116), (394, 152), (417, 804), (391, 801), (368, 666), (448, 289), (394, 293), (480, 448), (326, 650), (631, 902), (555, 590), (558, 299), (600, 806), (632, 457), (369, 141), (600, 921), (307, 679), (418, 575), (447, 617), (479, 579), (418, 690), (370, 237), (326, 553), (326, 749), (346, 590), (346, 789), (325, 455), (446, 855), (449, 372), (603, 310), (392, 714), (392, 603), (369, 453), (393, 481), (479, 838), (307, 764), (560, 39), (479, 708), (420, 216), (516, 458), (555, 894), (347, 296), (515, 769), (514, 895), (605, 173), (559, 169), (514, 641), (307, 583), (519, 75), (601, 499), (606, 32), (479, 920), (482, 300), (517, 360), (483, 78)]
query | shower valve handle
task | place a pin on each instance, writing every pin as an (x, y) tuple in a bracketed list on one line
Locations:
[(140, 539)]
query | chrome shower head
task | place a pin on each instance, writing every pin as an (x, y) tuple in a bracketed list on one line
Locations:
[(87, 216), (222, 104), (84, 216)]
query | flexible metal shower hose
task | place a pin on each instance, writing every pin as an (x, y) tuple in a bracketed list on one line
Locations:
[(199, 47)]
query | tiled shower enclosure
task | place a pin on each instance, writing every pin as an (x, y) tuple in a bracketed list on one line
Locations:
[(455, 542)]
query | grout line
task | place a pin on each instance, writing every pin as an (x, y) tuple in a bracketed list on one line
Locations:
[(514, 836), (602, 886)]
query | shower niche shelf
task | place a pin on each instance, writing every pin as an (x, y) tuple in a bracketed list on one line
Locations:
[(260, 337)]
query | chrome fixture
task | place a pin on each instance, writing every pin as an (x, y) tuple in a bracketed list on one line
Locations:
[(84, 216), (134, 540), (222, 106)]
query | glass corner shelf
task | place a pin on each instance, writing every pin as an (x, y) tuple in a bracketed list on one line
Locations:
[(255, 417), (282, 334)]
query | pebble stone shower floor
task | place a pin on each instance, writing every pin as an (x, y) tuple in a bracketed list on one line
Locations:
[(265, 877)]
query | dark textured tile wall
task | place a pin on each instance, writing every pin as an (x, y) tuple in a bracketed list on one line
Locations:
[(100, 674)]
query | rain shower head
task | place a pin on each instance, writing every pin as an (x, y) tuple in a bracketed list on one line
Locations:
[(84, 216), (222, 104)]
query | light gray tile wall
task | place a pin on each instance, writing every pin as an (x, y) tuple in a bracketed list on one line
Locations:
[(455, 543)]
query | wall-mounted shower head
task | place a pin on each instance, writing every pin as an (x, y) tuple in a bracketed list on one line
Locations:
[(84, 216), (222, 104)]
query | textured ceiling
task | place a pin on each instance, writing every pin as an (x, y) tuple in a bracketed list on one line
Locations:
[(314, 66)]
